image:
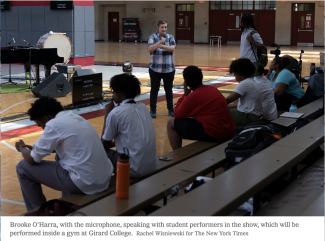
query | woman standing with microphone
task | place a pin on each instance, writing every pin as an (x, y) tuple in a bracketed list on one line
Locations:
[(161, 47)]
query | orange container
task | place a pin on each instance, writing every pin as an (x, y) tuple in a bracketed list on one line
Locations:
[(123, 175)]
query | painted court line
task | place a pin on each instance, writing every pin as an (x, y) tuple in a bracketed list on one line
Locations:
[(10, 131), (10, 201), (16, 104), (8, 145)]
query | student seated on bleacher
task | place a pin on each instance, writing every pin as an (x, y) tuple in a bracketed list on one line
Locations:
[(200, 114), (81, 164), (268, 103), (285, 85), (249, 107), (130, 125), (315, 90)]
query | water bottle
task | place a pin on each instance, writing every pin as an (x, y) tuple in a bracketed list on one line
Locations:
[(312, 69), (293, 105), (123, 175)]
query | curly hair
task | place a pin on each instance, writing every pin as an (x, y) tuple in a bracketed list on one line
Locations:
[(193, 76), (44, 106), (242, 67), (127, 84)]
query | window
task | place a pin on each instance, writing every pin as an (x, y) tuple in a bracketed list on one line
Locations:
[(186, 21), (247, 5), (265, 5), (237, 21), (237, 5), (215, 5), (185, 7), (303, 7), (302, 22), (225, 5)]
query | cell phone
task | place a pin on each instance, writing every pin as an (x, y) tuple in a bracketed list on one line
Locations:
[(167, 159)]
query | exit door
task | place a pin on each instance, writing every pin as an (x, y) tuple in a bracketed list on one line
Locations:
[(185, 26), (113, 26), (305, 29), (303, 25), (233, 29)]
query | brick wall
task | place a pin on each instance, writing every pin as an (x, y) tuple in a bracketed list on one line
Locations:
[(319, 24), (283, 23), (148, 20)]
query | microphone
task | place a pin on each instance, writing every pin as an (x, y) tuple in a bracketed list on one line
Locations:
[(13, 40), (165, 36)]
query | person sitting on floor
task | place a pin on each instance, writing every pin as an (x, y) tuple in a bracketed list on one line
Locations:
[(285, 85), (81, 164), (249, 107), (200, 114), (130, 125), (268, 103)]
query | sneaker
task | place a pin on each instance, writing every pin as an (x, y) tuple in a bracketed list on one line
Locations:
[(171, 113), (153, 114)]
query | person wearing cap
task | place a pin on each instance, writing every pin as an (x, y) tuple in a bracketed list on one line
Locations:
[(268, 103)]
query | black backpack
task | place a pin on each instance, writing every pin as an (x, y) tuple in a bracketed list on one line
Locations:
[(250, 140), (261, 55)]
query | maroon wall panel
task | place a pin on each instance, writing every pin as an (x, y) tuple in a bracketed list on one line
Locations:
[(218, 25)]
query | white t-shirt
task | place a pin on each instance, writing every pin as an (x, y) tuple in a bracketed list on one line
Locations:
[(268, 102), (250, 101), (80, 151), (245, 47), (131, 126)]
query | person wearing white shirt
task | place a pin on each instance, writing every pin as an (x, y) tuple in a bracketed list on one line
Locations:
[(249, 44), (249, 107), (130, 125), (268, 102), (81, 164)]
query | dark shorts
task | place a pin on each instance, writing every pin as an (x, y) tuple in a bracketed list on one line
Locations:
[(192, 129)]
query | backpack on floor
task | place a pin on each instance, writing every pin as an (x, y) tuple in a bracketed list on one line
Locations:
[(55, 207), (261, 55), (250, 140)]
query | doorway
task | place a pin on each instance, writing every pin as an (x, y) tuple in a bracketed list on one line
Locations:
[(303, 24), (113, 26), (185, 23)]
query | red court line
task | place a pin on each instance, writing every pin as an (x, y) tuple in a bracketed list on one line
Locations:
[(32, 129)]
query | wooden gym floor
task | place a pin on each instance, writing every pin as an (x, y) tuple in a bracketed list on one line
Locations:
[(214, 62)]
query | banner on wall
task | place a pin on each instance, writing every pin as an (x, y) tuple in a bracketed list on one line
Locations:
[(181, 22), (308, 21)]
